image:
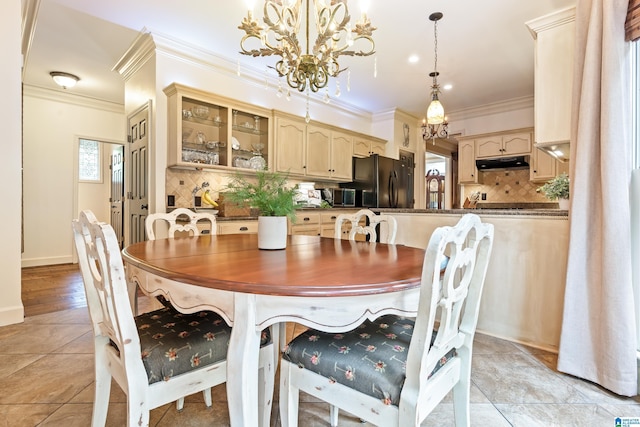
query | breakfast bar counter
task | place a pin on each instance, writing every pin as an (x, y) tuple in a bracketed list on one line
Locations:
[(524, 289)]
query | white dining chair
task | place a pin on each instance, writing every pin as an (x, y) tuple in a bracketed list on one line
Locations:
[(171, 218), (365, 222), (191, 228), (156, 357), (394, 371)]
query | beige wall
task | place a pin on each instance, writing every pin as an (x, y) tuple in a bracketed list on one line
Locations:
[(11, 309), (52, 125)]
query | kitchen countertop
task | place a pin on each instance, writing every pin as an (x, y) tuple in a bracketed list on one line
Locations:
[(500, 212), (484, 211)]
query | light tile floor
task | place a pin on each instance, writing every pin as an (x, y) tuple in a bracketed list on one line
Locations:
[(46, 379)]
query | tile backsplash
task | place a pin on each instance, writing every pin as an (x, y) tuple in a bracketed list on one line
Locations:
[(506, 186), (181, 182)]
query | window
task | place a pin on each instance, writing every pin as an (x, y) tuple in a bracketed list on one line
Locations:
[(89, 161)]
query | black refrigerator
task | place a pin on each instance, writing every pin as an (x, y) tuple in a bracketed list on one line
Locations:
[(382, 182)]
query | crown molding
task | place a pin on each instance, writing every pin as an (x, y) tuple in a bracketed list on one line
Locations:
[(70, 98), (139, 53), (552, 20), (492, 108), (151, 42)]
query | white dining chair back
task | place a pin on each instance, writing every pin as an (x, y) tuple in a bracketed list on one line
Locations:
[(134, 350), (171, 219), (394, 371), (365, 223), (190, 227)]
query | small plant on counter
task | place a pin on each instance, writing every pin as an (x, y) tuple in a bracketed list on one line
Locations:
[(267, 192), (557, 188)]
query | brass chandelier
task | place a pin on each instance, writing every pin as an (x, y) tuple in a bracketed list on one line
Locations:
[(435, 125), (311, 68)]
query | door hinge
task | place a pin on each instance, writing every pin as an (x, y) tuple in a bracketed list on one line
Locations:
[(129, 138)]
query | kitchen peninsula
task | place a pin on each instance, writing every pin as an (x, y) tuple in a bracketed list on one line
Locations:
[(524, 288)]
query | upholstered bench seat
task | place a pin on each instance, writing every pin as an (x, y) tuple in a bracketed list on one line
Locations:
[(370, 359), (173, 343)]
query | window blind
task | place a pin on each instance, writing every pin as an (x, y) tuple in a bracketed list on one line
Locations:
[(632, 24)]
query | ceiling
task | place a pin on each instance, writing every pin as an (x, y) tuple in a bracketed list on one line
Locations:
[(484, 48)]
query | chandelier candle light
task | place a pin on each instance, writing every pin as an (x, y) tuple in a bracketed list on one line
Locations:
[(435, 125), (310, 68)]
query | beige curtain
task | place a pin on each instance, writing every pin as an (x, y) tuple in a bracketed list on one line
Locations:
[(598, 340)]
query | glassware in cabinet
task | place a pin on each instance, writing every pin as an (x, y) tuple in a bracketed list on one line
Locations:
[(204, 133), (250, 140)]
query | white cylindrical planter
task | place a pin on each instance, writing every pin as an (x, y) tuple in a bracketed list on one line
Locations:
[(272, 232), (563, 204)]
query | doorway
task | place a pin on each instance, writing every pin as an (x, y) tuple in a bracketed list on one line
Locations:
[(438, 181), (94, 185)]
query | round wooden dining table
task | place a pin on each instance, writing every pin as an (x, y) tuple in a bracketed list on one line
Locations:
[(327, 284)]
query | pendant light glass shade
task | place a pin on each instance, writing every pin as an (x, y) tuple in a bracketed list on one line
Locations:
[(435, 112)]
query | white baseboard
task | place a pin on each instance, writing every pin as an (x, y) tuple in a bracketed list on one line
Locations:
[(36, 262), (11, 315)]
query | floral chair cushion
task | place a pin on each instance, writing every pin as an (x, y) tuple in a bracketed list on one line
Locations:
[(173, 343), (370, 359)]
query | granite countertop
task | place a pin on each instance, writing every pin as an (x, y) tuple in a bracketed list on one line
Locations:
[(524, 209), (484, 211)]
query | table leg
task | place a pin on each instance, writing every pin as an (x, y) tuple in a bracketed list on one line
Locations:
[(242, 364)]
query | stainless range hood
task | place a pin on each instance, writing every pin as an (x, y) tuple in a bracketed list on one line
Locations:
[(515, 162), (559, 149)]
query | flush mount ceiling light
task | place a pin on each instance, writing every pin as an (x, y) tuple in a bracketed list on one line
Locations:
[(307, 68), (435, 125), (64, 80)]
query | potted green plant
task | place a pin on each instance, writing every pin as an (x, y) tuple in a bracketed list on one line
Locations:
[(557, 189), (269, 194)]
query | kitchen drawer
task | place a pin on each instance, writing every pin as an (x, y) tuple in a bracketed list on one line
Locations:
[(327, 231), (329, 217), (306, 230), (237, 227), (304, 218)]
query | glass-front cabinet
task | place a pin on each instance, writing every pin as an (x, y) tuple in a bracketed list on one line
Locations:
[(209, 131)]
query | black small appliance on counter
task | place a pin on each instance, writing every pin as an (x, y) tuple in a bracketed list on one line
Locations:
[(339, 197)]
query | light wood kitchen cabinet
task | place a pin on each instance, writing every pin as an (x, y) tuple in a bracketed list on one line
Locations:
[(318, 157), (306, 223), (320, 223), (363, 147), (542, 166), (210, 131), (291, 141), (467, 171), (313, 150), (238, 227), (328, 223), (554, 36), (341, 154), (503, 145)]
